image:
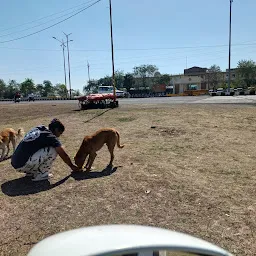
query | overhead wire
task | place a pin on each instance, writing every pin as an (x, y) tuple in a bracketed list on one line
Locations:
[(98, 65), (55, 24), (45, 17), (41, 24)]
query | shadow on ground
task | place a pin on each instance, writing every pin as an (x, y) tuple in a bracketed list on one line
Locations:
[(94, 175), (25, 186), (96, 116)]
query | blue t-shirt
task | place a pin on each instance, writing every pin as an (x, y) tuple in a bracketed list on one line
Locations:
[(36, 139)]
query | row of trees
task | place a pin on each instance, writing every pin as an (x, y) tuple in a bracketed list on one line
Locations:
[(245, 77), (8, 90), (246, 73), (128, 80)]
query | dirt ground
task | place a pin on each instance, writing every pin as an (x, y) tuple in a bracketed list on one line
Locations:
[(189, 168)]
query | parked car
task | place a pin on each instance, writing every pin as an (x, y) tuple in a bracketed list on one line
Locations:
[(231, 92), (240, 91), (220, 92), (251, 91), (212, 92)]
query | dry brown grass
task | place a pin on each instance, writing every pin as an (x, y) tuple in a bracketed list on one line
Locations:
[(193, 171)]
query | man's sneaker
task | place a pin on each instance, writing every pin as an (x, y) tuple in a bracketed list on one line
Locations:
[(41, 176)]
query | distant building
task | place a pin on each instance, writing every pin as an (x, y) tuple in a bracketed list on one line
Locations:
[(195, 71), (194, 78), (183, 83)]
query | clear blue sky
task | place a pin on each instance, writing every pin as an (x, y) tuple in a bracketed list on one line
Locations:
[(148, 27)]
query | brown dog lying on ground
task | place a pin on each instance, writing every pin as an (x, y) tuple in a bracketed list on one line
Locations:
[(91, 144), (7, 136)]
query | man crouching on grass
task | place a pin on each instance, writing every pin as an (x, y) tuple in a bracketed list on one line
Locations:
[(37, 151)]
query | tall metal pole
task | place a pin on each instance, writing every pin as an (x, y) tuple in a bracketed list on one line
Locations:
[(63, 50), (229, 56), (112, 49), (70, 95), (88, 67)]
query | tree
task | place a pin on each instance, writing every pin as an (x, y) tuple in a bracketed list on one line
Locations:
[(92, 86), (107, 81), (40, 89), (119, 79), (61, 90), (27, 86), (163, 79), (2, 88), (246, 70), (128, 82), (214, 76), (144, 71), (11, 89), (48, 88), (75, 92)]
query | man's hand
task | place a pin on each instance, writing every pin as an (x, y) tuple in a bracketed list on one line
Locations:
[(64, 156)]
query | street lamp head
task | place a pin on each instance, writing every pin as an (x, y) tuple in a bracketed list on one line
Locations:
[(54, 37), (66, 34)]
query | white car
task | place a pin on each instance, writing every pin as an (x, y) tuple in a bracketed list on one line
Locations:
[(220, 92), (117, 240), (109, 89)]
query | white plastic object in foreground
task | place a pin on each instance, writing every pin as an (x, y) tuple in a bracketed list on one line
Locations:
[(121, 239)]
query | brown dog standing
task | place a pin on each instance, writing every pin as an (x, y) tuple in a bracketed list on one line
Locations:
[(7, 136), (91, 144)]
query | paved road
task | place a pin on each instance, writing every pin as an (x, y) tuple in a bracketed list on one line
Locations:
[(249, 99)]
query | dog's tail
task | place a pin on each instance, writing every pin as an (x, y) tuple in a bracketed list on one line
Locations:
[(118, 140), (20, 132)]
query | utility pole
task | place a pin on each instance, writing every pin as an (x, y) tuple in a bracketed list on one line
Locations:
[(88, 67), (67, 35), (112, 49), (63, 51), (229, 55)]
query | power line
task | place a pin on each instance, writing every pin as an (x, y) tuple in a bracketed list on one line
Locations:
[(127, 60), (132, 49), (45, 17), (169, 56), (144, 58), (71, 16), (77, 67), (38, 25)]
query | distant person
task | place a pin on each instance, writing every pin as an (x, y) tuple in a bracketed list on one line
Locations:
[(39, 148), (17, 96)]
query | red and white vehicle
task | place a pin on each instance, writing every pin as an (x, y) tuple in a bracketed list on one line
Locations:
[(97, 101)]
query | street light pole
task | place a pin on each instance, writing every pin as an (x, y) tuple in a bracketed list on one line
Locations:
[(67, 35), (229, 55), (88, 67), (63, 51), (112, 50)]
